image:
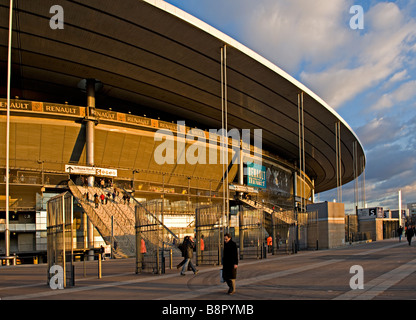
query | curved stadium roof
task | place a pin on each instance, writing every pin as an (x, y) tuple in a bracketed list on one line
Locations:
[(150, 54)]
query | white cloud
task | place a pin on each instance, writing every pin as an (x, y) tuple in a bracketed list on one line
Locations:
[(374, 132), (397, 77), (405, 92), (314, 37), (291, 31), (372, 69)]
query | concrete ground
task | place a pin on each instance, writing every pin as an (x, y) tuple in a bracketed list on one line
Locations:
[(388, 269)]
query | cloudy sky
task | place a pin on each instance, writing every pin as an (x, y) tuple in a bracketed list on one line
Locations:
[(367, 75)]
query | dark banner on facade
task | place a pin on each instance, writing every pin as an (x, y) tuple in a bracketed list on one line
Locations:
[(279, 181)]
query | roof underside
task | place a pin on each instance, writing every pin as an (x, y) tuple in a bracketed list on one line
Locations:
[(146, 56)]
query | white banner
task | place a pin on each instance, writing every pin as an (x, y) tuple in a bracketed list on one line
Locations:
[(73, 169)]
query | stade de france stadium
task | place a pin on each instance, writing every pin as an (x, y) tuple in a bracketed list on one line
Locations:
[(87, 104)]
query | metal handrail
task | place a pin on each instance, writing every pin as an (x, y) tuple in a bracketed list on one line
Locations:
[(149, 213)]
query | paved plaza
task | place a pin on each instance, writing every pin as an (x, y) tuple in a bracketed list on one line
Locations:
[(388, 269)]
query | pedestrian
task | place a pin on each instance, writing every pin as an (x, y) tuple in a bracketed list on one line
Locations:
[(202, 247), (400, 233), (102, 251), (143, 251), (102, 197), (188, 250), (181, 247), (269, 243), (96, 200), (409, 234), (229, 263)]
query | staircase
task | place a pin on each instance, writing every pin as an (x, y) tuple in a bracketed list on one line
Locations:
[(278, 214), (129, 208), (109, 219), (116, 216)]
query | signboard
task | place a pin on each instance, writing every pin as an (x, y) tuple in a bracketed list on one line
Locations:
[(44, 107), (256, 175), (370, 213), (242, 188), (74, 169), (105, 172), (79, 169)]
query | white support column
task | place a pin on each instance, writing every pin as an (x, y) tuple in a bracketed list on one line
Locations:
[(90, 127), (224, 127), (301, 136), (90, 146), (400, 209), (338, 160)]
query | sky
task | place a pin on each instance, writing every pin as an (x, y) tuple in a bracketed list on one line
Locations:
[(366, 72)]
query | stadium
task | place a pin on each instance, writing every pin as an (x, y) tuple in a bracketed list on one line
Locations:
[(93, 101)]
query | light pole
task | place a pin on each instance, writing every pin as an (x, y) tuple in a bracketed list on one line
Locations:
[(9, 62)]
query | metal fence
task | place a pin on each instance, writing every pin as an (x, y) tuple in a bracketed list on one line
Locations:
[(209, 229), (301, 234), (155, 243), (250, 228), (60, 236), (252, 233), (283, 234)]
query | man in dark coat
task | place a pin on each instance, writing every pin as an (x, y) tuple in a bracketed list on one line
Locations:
[(409, 234), (229, 263), (400, 232), (188, 251)]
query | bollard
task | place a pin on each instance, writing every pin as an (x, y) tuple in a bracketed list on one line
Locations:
[(99, 266), (85, 267), (170, 259)]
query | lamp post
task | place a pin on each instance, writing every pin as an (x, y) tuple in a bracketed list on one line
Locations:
[(9, 62)]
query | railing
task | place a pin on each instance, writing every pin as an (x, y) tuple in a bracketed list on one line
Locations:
[(109, 227), (149, 213), (92, 215), (280, 215)]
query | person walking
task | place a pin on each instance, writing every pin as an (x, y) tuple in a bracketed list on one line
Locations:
[(269, 241), (181, 247), (400, 233), (96, 200), (229, 263), (202, 247), (188, 250), (409, 234), (143, 251)]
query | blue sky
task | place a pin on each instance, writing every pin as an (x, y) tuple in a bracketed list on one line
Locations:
[(367, 75)]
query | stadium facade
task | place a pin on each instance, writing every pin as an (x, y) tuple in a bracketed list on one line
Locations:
[(91, 101)]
